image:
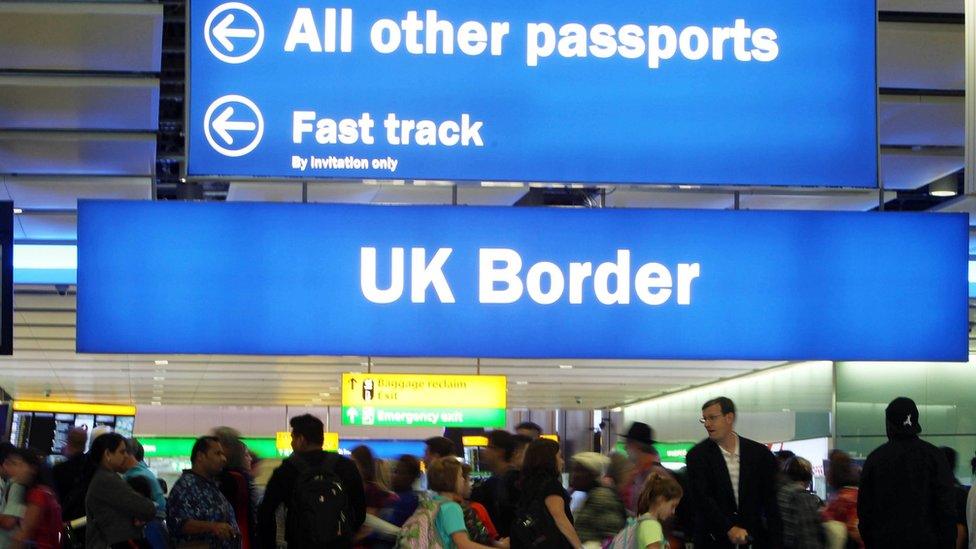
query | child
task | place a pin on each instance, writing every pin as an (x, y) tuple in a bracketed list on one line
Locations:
[(658, 499), (444, 477)]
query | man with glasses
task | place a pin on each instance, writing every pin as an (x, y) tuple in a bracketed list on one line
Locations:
[(733, 485)]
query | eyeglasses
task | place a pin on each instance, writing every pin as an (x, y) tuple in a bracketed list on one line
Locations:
[(710, 419)]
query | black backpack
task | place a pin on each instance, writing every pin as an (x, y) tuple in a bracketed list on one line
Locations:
[(319, 511)]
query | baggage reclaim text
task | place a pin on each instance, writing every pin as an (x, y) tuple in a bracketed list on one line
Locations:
[(501, 279)]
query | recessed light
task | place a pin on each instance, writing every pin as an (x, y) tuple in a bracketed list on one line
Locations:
[(333, 388), (161, 362), (521, 382), (325, 394), (565, 366), (617, 410), (159, 378), (156, 403)]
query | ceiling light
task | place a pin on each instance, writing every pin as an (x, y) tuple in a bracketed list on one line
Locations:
[(156, 403), (18, 211), (325, 394), (565, 366), (521, 382), (334, 388), (159, 378), (617, 410), (946, 187), (161, 362)]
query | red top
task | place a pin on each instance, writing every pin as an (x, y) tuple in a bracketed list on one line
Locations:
[(485, 518), (47, 531), (843, 507)]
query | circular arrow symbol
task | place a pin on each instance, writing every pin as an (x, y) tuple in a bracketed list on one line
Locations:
[(225, 28), (237, 123)]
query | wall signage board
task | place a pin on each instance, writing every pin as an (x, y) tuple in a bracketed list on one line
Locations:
[(703, 92), (317, 279), (407, 400)]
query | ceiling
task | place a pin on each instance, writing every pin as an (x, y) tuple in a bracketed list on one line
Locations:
[(86, 114)]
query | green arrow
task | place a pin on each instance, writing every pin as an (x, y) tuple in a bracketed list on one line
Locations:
[(352, 413)]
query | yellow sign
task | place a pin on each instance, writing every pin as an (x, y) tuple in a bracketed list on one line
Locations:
[(73, 408), (473, 441), (423, 391), (283, 442)]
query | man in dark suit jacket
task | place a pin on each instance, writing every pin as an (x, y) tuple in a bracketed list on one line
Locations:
[(733, 485)]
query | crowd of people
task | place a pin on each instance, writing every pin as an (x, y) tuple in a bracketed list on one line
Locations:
[(733, 492)]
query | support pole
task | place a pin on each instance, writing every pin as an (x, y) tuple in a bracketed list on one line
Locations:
[(970, 97)]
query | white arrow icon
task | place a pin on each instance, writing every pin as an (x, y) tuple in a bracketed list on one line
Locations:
[(223, 32), (218, 125), (224, 126), (352, 413), (219, 33)]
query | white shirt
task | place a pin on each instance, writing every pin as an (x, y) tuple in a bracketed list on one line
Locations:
[(971, 517), (732, 461)]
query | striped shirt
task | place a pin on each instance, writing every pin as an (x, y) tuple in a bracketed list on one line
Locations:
[(732, 461)]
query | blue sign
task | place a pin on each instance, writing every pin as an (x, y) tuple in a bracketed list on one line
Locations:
[(677, 92), (293, 279)]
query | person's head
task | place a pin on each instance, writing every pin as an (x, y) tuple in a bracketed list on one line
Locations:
[(444, 476), (75, 445), (901, 418), (230, 440), (783, 457), (307, 433), (586, 470), (529, 429), (639, 441), (799, 470), (135, 448), (249, 461), (465, 492), (542, 459), (363, 457), (5, 449), (24, 465), (405, 473), (500, 450), (518, 456), (660, 496), (438, 447), (718, 417), (621, 471), (207, 456), (109, 451), (840, 470)]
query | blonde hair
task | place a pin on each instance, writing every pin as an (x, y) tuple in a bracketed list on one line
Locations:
[(656, 486), (443, 474)]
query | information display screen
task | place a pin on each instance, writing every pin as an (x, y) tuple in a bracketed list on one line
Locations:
[(690, 92), (48, 432)]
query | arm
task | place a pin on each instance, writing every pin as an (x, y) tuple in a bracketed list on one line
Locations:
[(119, 495), (462, 541), (865, 499), (707, 512), (774, 522), (945, 504), (274, 496), (353, 485), (32, 516), (557, 510)]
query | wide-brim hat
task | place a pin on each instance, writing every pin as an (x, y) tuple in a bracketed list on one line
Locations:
[(640, 432)]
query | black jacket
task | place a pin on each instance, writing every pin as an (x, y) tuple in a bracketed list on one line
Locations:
[(282, 485), (714, 503), (906, 496)]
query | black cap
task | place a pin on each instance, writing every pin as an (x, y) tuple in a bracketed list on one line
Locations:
[(902, 416), (640, 432)]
